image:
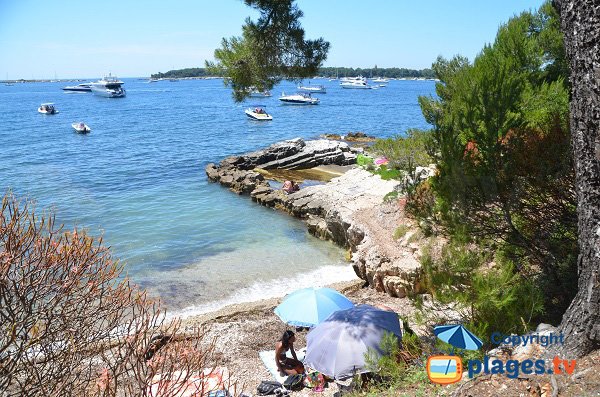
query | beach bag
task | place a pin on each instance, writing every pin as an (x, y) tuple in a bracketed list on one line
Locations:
[(267, 387), (294, 382), (315, 381)]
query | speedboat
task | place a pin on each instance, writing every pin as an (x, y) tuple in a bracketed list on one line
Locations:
[(258, 113), (83, 87), (81, 128), (109, 87), (314, 89), (356, 84), (47, 108), (299, 99)]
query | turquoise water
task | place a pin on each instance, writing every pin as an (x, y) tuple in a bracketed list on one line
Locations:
[(138, 179)]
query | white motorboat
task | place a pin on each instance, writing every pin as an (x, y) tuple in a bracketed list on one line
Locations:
[(380, 80), (313, 89), (299, 99), (81, 128), (47, 108), (353, 79), (357, 85), (83, 87), (109, 87), (258, 113), (254, 93)]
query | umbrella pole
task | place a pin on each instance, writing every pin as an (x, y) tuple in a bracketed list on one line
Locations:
[(449, 361)]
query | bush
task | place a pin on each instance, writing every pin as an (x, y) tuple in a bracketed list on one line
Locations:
[(72, 325), (495, 298), (405, 152)]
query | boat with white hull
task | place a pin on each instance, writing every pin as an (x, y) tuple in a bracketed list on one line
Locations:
[(258, 113), (83, 87), (313, 89), (81, 128), (109, 87), (47, 108), (356, 85), (299, 99)]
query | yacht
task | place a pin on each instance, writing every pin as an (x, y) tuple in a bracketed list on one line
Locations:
[(353, 79), (356, 84), (47, 108), (314, 89), (299, 99), (83, 87), (258, 113), (109, 87)]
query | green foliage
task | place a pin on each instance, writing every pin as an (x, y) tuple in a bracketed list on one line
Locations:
[(405, 152), (270, 49), (364, 161), (500, 141), (182, 73), (392, 73), (396, 375), (387, 173), (496, 298), (400, 232), (391, 196)]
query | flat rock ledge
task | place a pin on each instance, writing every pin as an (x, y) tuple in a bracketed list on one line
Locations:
[(349, 210)]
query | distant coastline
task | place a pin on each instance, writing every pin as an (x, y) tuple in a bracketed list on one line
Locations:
[(328, 72)]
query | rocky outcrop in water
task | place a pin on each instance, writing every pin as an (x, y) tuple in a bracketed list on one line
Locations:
[(348, 210)]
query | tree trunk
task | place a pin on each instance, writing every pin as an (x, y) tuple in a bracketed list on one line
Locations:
[(580, 23)]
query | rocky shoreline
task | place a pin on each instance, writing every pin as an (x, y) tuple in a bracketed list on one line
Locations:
[(349, 210)]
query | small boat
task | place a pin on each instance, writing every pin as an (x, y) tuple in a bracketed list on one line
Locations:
[(255, 93), (353, 79), (81, 128), (109, 87), (380, 80), (258, 113), (356, 84), (47, 108), (299, 99), (83, 87), (313, 89)]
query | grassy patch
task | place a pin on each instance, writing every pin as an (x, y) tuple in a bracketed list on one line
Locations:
[(400, 232)]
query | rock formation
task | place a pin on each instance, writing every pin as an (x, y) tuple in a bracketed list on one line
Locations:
[(349, 210)]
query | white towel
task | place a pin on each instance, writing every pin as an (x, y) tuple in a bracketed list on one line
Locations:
[(268, 358)]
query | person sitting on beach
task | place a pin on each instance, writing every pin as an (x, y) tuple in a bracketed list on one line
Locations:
[(287, 365), (290, 187)]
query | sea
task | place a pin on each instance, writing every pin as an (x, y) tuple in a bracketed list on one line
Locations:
[(138, 181)]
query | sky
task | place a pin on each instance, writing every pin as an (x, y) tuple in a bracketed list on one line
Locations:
[(88, 39)]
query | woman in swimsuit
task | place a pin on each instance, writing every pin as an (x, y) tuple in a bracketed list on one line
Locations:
[(289, 366)]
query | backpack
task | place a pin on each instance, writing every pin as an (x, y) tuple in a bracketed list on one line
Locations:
[(267, 387), (294, 382)]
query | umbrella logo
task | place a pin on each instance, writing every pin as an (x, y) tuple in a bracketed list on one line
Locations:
[(448, 369)]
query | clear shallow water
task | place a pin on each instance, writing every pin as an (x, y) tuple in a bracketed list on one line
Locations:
[(138, 179)]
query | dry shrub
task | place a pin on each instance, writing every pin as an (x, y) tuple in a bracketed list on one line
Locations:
[(73, 325)]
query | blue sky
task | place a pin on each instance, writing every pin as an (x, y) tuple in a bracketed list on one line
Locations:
[(83, 38)]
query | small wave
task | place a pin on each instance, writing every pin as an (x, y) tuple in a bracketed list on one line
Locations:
[(273, 289)]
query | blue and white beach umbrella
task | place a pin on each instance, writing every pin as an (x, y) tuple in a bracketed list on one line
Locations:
[(337, 347), (308, 307), (458, 336)]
